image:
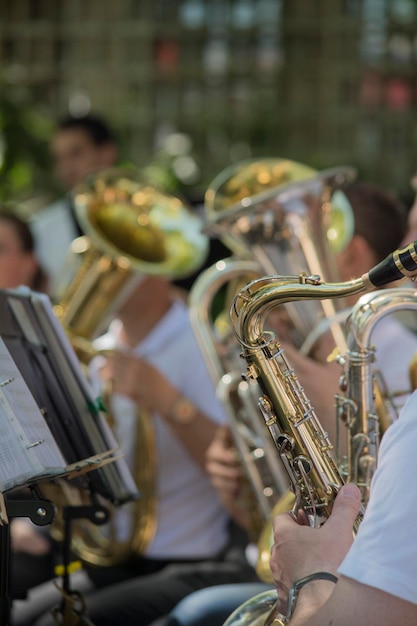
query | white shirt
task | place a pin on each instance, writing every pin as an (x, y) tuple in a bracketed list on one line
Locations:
[(191, 521), (53, 230), (384, 553), (395, 346)]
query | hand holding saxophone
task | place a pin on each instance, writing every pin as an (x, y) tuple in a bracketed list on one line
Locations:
[(300, 550)]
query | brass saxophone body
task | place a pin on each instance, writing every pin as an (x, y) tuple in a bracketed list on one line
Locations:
[(302, 444)]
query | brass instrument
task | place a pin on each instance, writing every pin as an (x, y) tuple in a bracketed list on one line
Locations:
[(275, 215), (358, 407), (264, 471), (289, 218), (131, 230), (301, 442)]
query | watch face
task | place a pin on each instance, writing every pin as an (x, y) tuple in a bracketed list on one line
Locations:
[(183, 411)]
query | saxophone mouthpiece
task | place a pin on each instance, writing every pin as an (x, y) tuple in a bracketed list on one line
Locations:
[(401, 263)]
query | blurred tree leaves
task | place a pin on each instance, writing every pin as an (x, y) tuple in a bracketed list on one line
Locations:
[(25, 167)]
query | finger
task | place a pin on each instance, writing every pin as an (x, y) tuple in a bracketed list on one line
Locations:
[(224, 436), (222, 456), (282, 522), (225, 487), (224, 471), (301, 518), (346, 508)]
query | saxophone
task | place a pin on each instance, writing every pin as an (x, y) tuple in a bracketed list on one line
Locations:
[(276, 215), (301, 442), (356, 408)]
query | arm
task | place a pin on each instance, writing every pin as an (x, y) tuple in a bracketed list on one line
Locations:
[(150, 389), (353, 603), (300, 550)]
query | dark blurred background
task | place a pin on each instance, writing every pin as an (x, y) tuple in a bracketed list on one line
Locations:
[(191, 86)]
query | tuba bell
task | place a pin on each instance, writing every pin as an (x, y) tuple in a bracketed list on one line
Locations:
[(132, 229), (276, 216), (289, 218)]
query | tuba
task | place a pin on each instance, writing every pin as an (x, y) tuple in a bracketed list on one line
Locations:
[(131, 230), (288, 218), (301, 443), (276, 216)]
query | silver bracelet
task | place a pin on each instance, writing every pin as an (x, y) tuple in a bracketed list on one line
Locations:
[(299, 584)]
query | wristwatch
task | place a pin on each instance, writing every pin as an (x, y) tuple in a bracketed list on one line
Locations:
[(183, 411)]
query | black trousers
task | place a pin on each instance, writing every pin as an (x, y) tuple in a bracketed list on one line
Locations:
[(138, 600)]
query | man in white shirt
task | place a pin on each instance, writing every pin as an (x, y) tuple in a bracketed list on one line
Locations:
[(377, 573), (395, 346), (79, 147)]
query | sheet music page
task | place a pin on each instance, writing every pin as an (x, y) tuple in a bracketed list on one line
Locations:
[(112, 478), (97, 428), (27, 447)]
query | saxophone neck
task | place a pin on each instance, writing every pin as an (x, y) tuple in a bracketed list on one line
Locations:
[(253, 303), (258, 298)]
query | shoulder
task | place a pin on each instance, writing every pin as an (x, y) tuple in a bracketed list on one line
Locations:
[(390, 333)]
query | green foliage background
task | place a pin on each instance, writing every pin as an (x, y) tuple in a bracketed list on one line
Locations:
[(25, 167)]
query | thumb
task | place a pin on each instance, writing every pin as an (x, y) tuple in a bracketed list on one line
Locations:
[(224, 436), (346, 507)]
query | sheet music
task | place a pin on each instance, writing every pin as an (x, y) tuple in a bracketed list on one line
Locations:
[(41, 328), (27, 447), (118, 477)]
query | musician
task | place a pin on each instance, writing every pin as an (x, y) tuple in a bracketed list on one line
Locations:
[(79, 147), (156, 365), (19, 264), (395, 343), (376, 576), (411, 234), (395, 347)]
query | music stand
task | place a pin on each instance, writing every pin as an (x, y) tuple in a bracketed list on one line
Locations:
[(61, 428)]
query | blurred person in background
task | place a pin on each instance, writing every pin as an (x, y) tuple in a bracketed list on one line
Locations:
[(31, 560), (19, 264), (411, 234), (395, 343), (79, 146)]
